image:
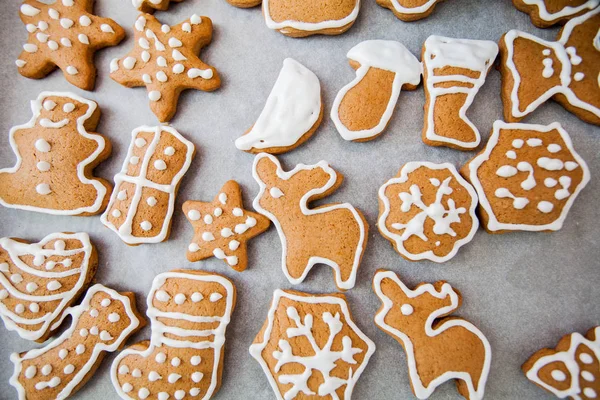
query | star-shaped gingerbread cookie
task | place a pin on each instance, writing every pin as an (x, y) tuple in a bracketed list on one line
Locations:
[(65, 34), (222, 228), (165, 60)]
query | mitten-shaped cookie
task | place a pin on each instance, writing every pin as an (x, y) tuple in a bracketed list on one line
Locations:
[(38, 281), (56, 155), (100, 324), (189, 312)]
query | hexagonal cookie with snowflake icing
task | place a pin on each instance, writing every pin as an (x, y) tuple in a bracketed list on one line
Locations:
[(310, 347), (527, 177)]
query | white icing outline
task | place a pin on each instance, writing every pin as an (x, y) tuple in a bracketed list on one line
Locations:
[(565, 72), (36, 108), (493, 223), (309, 26), (291, 111), (434, 93), (75, 313), (567, 11), (158, 329), (407, 169), (348, 284), (568, 359), (406, 72), (140, 181), (16, 249), (421, 391), (256, 349), (414, 10)]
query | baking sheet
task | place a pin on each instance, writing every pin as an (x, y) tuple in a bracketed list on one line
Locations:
[(523, 290)]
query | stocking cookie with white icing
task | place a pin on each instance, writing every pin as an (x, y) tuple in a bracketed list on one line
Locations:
[(149, 6), (571, 369), (56, 156), (410, 10), (165, 60), (143, 201), (427, 211), (438, 347), (545, 13), (292, 114), (100, 324), (527, 177), (65, 34), (535, 70), (309, 347), (332, 234), (363, 108), (222, 228), (189, 312), (38, 281), (454, 71)]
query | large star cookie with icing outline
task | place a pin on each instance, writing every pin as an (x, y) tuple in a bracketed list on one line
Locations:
[(165, 60), (66, 35), (222, 228)]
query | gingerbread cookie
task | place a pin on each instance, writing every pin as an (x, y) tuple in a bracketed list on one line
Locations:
[(38, 281), (535, 70), (427, 211), (65, 34), (165, 60), (189, 312), (56, 155), (545, 13), (100, 324), (222, 228), (332, 234), (143, 201), (527, 177), (438, 347), (149, 6), (454, 71), (410, 10), (309, 347), (571, 369), (293, 112), (363, 108)]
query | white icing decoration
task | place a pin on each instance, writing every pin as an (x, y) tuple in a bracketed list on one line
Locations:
[(307, 26), (203, 73), (154, 95), (194, 215), (84, 20), (208, 219), (567, 11), (518, 202)]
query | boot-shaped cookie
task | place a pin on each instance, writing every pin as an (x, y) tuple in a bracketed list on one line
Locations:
[(189, 312), (38, 281), (454, 71), (55, 158), (100, 324)]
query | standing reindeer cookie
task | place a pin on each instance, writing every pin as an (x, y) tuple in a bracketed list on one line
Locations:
[(438, 348), (333, 234)]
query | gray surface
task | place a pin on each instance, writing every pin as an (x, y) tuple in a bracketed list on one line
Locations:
[(523, 290)]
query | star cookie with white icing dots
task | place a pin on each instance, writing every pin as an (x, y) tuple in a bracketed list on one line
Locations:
[(221, 228), (165, 60), (65, 35)]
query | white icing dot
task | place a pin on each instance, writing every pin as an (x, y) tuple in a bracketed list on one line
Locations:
[(136, 373), (4, 267), (94, 330), (34, 307), (226, 232), (30, 47), (163, 296), (72, 70), (146, 226), (114, 317), (220, 254), (69, 369), (53, 285), (579, 76), (238, 212), (195, 360), (80, 349), (203, 73), (20, 63), (173, 378), (49, 105), (177, 56), (145, 58), (84, 20), (589, 393), (42, 145), (154, 95), (193, 247), (42, 37), (194, 215), (215, 297), (154, 376), (195, 19), (140, 142), (30, 11), (67, 43), (208, 219), (163, 396), (143, 393), (43, 25), (46, 369), (197, 376), (83, 332), (127, 388), (123, 369), (534, 142), (94, 313), (147, 78), (54, 46), (122, 195), (66, 23), (240, 228), (169, 151), (19, 308), (43, 189), (106, 28), (63, 353), (161, 76), (251, 222), (218, 212), (160, 165), (151, 201), (179, 298), (407, 309), (178, 69), (105, 302), (31, 287), (140, 23), (176, 362), (104, 335), (179, 394), (196, 297), (186, 27), (545, 206), (174, 42), (234, 245), (276, 193), (30, 372), (129, 62), (232, 260), (554, 148), (208, 237), (194, 392), (570, 165), (161, 61), (518, 143), (586, 358), (134, 160), (161, 358), (558, 375), (588, 376)]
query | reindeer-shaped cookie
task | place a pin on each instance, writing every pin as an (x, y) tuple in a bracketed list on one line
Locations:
[(333, 234), (438, 350)]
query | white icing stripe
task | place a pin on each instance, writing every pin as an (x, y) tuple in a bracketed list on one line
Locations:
[(140, 181), (567, 11), (76, 313), (16, 250), (475, 55), (383, 54), (292, 109), (421, 391), (413, 10), (474, 165), (37, 107), (349, 283), (256, 349), (309, 26)]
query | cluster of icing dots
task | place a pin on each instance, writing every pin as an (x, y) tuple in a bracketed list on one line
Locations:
[(54, 20), (172, 44), (228, 232), (587, 376), (180, 298), (546, 163), (575, 59)]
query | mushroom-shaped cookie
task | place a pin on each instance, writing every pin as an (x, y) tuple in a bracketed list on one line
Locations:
[(364, 107)]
